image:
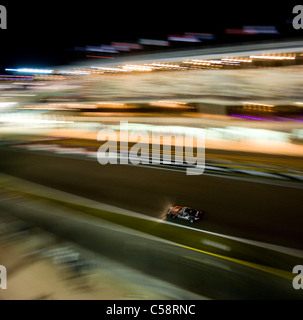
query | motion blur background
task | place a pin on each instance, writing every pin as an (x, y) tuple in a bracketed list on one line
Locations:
[(73, 229)]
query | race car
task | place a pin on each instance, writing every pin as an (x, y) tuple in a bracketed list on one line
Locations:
[(186, 213)]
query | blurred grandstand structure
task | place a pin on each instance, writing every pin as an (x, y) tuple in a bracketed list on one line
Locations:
[(215, 81)]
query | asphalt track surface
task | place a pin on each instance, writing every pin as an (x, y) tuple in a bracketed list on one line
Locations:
[(259, 211)]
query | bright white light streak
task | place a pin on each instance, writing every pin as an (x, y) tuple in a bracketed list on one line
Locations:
[(273, 57), (237, 60), (108, 69), (30, 70), (137, 68), (13, 119), (73, 72), (258, 104)]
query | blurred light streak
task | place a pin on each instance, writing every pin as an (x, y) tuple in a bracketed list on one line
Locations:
[(150, 42), (183, 38), (252, 30), (289, 119), (260, 30), (131, 67), (107, 49), (30, 70), (202, 36), (203, 62), (237, 60), (73, 72), (135, 46), (25, 79), (8, 104), (176, 102), (258, 104), (109, 69), (17, 95), (27, 120), (100, 57), (170, 104), (249, 117), (273, 57), (10, 76), (28, 84)]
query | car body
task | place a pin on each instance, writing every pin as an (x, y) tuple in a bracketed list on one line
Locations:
[(186, 213)]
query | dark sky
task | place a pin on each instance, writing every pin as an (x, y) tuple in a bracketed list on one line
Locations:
[(40, 34)]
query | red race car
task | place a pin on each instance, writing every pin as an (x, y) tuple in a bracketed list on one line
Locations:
[(186, 213)]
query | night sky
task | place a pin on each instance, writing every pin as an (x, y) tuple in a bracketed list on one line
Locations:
[(43, 34)]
